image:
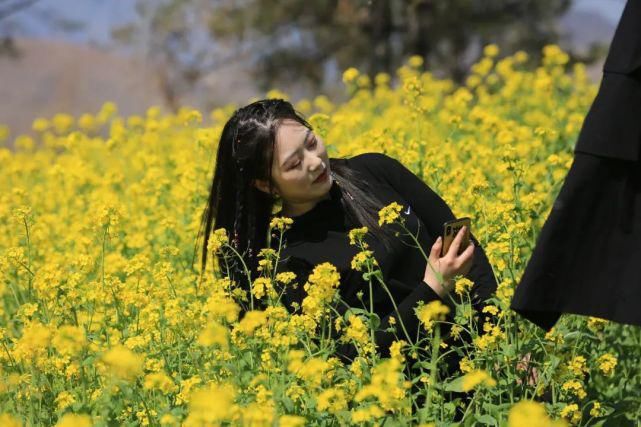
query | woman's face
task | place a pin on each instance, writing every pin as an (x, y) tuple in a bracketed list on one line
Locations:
[(299, 158)]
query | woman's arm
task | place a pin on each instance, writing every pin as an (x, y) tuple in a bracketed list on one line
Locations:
[(433, 212)]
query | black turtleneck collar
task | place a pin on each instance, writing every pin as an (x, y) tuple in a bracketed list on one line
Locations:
[(325, 212)]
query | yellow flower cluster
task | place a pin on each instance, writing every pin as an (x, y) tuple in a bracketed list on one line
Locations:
[(358, 331), (321, 288), (387, 386), (473, 379), (389, 213), (281, 224), (607, 363), (431, 312), (528, 413), (123, 363), (356, 235), (363, 259), (101, 307)]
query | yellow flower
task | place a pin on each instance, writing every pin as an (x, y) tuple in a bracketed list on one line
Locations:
[(596, 410), (356, 235), (64, 399), (528, 413), (211, 405), (40, 124), (34, 341), (159, 381), (415, 61), (350, 75), (321, 288), (69, 340), (331, 400), (396, 350), (252, 320), (575, 387), (491, 309), (285, 277), (368, 414), (430, 312), (361, 259), (358, 332), (463, 285), (291, 421), (389, 213), (214, 334), (8, 420), (217, 240), (263, 286), (466, 365), (387, 385), (491, 50), (281, 223), (382, 79), (222, 307), (73, 420), (123, 363), (607, 363), (477, 377), (578, 366), (572, 413)]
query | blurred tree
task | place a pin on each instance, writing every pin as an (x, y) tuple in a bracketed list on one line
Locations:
[(297, 40)]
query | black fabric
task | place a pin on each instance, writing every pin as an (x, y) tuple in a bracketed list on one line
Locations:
[(321, 235), (587, 256), (612, 127)]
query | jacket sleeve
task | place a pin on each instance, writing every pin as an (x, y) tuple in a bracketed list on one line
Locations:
[(433, 212)]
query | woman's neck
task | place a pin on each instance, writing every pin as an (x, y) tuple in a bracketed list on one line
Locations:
[(298, 209)]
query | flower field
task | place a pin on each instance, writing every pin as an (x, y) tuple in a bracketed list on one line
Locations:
[(106, 318)]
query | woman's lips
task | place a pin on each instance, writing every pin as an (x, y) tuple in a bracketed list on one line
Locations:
[(321, 177)]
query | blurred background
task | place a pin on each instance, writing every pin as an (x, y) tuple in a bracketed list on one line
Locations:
[(70, 56)]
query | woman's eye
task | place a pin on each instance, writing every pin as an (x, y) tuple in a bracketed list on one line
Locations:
[(312, 144)]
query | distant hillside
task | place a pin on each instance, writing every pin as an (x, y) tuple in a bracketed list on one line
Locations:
[(49, 77)]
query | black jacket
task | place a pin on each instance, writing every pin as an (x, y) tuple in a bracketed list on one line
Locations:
[(321, 235)]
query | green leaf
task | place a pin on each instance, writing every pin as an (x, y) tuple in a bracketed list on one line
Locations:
[(375, 320), (454, 385), (486, 419)]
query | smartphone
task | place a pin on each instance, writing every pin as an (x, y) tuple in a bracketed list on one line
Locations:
[(451, 229)]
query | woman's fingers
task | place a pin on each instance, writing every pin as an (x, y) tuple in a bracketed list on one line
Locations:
[(456, 243), (435, 253)]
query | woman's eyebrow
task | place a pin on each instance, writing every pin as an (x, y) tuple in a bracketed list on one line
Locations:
[(301, 145)]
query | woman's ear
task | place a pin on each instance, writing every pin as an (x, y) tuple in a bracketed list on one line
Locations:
[(263, 186)]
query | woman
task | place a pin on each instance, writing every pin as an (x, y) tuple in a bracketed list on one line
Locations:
[(269, 153)]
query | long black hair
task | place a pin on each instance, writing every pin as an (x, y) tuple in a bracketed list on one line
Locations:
[(245, 153)]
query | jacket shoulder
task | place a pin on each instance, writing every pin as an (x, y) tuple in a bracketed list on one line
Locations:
[(374, 163)]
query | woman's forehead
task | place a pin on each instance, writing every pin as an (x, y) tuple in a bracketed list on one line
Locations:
[(290, 136)]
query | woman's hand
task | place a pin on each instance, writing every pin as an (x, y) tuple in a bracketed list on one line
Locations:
[(533, 373), (448, 266)]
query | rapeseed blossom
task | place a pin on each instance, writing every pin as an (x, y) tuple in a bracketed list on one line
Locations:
[(99, 213), (431, 312), (123, 363), (321, 288), (607, 363), (475, 378), (389, 213), (528, 413)]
